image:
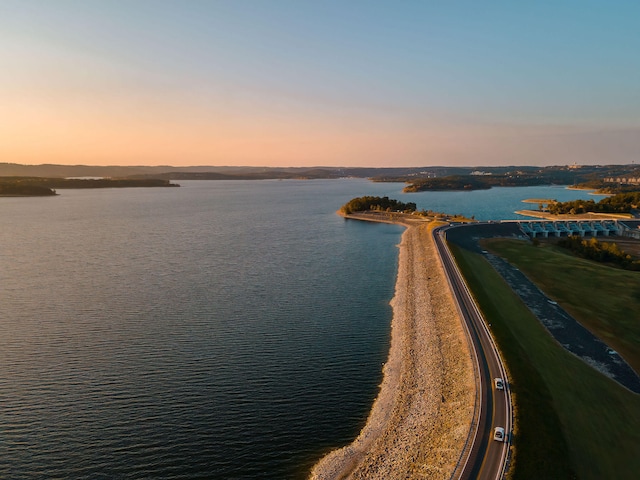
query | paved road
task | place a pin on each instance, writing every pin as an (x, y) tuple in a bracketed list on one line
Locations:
[(484, 457)]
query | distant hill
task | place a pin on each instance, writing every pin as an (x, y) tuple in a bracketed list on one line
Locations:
[(166, 172), (417, 178), (401, 174)]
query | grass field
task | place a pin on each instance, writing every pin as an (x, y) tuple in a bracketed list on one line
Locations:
[(604, 299), (571, 421)]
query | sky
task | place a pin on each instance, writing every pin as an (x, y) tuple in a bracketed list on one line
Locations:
[(320, 83)]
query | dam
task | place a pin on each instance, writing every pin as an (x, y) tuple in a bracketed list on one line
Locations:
[(581, 228)]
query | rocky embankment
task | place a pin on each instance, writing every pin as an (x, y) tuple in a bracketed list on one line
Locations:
[(421, 418)]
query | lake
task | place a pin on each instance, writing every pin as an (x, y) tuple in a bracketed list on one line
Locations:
[(224, 329)]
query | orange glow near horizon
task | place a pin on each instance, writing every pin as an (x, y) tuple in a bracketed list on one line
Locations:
[(43, 132), (111, 130)]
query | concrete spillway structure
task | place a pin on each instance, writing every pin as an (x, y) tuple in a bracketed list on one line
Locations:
[(550, 229), (574, 228), (599, 229), (538, 230), (562, 229), (581, 228), (610, 226), (526, 228)]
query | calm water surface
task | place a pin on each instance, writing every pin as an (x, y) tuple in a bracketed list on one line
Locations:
[(217, 330)]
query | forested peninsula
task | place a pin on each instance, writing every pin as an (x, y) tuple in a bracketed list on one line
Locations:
[(620, 203), (474, 182), (17, 190), (41, 186), (393, 211), (384, 204)]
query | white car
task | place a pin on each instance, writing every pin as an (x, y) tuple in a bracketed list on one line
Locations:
[(499, 383), (498, 434)]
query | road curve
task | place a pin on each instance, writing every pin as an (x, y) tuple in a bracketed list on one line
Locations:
[(483, 457)]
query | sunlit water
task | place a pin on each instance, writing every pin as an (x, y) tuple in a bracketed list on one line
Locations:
[(217, 330)]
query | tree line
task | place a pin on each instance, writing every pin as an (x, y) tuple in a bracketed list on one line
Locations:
[(593, 249), (484, 182), (63, 183), (620, 203), (384, 204), (17, 190)]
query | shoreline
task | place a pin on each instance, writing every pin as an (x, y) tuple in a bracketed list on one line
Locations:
[(420, 419)]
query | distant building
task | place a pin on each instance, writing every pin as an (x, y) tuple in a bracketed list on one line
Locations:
[(623, 180)]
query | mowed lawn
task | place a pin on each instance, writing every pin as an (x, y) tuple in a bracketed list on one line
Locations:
[(604, 299), (571, 421)]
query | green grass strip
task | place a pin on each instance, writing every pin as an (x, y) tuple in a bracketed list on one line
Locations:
[(571, 421), (604, 299)]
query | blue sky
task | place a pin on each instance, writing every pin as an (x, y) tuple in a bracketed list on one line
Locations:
[(280, 82)]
